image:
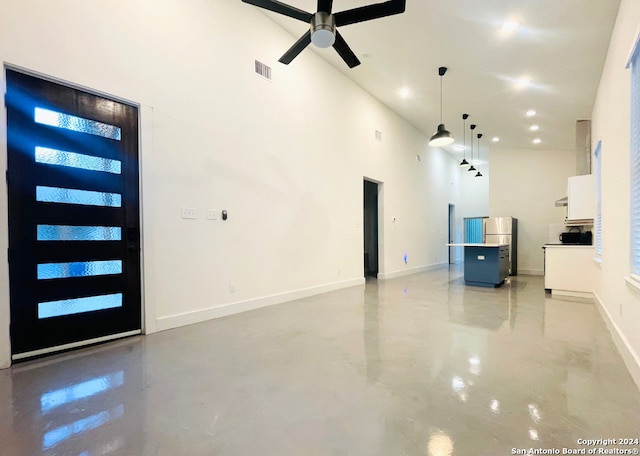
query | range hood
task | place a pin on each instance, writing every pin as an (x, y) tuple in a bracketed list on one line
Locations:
[(583, 154), (562, 202)]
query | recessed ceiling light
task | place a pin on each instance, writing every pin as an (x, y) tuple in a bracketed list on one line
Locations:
[(405, 92), (531, 113), (458, 148), (534, 128), (510, 26), (495, 139), (523, 82), (537, 141)]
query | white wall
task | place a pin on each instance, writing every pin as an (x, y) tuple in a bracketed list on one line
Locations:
[(472, 196), (474, 192), (525, 183), (611, 125), (285, 158)]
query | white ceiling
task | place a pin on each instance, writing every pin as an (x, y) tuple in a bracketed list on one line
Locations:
[(560, 46)]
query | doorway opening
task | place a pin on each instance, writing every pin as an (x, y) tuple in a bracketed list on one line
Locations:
[(370, 226)]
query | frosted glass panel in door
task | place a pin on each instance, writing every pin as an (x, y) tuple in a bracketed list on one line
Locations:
[(78, 233)]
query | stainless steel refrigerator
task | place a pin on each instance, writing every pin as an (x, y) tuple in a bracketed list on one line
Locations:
[(503, 230)]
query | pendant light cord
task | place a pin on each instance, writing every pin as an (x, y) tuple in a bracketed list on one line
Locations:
[(440, 99), (464, 138)]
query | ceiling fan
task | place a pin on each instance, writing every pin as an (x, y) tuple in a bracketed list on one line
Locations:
[(323, 32)]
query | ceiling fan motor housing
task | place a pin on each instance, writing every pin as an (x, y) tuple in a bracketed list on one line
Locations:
[(323, 29)]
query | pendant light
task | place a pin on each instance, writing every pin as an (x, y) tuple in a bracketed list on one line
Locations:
[(464, 163), (472, 168), (442, 136), (479, 174)]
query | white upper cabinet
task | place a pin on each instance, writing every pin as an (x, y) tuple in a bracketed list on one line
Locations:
[(582, 198)]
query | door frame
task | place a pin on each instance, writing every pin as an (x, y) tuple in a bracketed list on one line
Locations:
[(452, 233), (144, 121)]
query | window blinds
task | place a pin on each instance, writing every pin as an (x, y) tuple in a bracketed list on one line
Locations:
[(473, 230), (635, 163), (598, 220)]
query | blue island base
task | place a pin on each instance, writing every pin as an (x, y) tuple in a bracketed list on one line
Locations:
[(486, 265), (484, 284)]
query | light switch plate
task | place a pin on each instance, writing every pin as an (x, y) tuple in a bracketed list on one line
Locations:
[(188, 213)]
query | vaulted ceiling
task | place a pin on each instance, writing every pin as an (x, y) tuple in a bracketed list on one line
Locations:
[(559, 47)]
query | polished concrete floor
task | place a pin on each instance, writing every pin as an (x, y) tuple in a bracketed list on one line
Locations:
[(420, 365)]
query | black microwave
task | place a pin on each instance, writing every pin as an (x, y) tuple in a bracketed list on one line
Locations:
[(576, 237)]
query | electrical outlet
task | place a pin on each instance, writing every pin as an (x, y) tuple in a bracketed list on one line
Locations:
[(212, 214), (232, 287), (188, 213)]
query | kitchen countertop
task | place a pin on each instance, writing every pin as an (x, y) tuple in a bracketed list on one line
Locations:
[(467, 244), (569, 246)]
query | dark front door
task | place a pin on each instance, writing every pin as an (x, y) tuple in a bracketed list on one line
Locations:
[(74, 226)]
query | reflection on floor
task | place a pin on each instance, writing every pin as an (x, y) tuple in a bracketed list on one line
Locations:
[(420, 365)]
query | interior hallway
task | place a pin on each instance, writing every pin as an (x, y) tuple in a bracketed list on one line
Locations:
[(410, 366)]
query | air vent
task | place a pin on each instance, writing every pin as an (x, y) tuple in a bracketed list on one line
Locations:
[(263, 70), (379, 135)]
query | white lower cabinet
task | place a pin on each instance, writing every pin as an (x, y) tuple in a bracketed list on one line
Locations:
[(569, 269)]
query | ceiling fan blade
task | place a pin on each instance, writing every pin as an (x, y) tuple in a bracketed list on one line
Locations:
[(281, 8), (345, 51), (325, 5), (296, 49), (369, 12)]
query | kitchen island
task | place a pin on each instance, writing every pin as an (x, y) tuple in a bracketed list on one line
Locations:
[(485, 265)]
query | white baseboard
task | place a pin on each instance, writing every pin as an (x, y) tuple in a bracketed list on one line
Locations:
[(198, 316), (405, 272), (536, 272), (575, 294), (630, 357)]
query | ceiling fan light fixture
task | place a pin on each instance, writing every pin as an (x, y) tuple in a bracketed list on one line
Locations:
[(442, 137), (323, 30)]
